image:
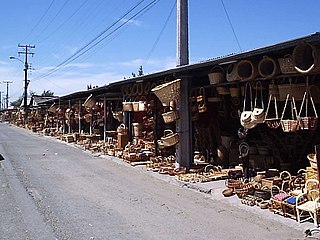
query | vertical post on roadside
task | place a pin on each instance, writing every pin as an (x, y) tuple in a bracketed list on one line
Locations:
[(104, 118), (317, 149)]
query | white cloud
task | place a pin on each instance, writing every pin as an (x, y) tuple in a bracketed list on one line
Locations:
[(131, 21)]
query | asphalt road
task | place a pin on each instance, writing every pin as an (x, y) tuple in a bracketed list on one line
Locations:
[(53, 190)]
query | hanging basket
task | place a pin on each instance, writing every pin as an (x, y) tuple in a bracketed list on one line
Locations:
[(306, 58), (268, 67), (171, 116), (290, 125), (168, 91), (89, 102), (216, 75), (232, 73), (169, 139), (308, 122), (272, 122), (286, 64), (247, 70)]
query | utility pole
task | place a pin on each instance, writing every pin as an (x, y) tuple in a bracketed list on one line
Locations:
[(7, 96), (26, 68), (182, 33)]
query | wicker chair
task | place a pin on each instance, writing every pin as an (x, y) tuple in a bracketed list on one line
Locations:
[(308, 202)]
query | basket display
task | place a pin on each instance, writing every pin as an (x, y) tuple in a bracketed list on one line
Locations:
[(168, 91), (169, 139)]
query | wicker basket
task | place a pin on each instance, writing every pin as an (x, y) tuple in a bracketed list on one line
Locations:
[(171, 116), (89, 102), (216, 75), (247, 70), (170, 139), (268, 67), (231, 183), (290, 125), (286, 64), (308, 122), (232, 74), (313, 160), (244, 190), (306, 58), (168, 91)]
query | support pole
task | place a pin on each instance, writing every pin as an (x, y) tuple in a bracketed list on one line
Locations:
[(79, 124), (104, 119), (184, 126)]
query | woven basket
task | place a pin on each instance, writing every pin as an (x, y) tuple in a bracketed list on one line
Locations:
[(306, 58), (231, 183), (168, 91), (290, 125), (127, 106), (286, 64), (308, 122), (52, 108), (227, 192), (89, 102), (232, 74), (313, 160), (171, 116), (170, 139), (247, 70), (268, 67), (244, 190), (216, 75)]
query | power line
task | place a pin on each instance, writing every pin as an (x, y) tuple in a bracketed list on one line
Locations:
[(234, 33), (47, 26), (41, 18), (63, 23), (69, 59), (161, 32)]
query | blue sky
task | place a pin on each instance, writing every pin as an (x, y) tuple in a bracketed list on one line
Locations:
[(149, 39)]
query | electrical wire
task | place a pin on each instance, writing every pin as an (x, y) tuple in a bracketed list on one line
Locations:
[(161, 32), (57, 14), (40, 20), (234, 33), (64, 23), (73, 56), (145, 9)]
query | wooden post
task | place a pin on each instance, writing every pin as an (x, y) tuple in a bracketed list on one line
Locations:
[(69, 125), (104, 119), (79, 124), (184, 125), (317, 148)]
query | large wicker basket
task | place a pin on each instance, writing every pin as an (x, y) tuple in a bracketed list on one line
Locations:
[(168, 91)]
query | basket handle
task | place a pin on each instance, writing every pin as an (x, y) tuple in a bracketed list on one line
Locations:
[(258, 84), (167, 132), (293, 107), (248, 85), (275, 105)]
